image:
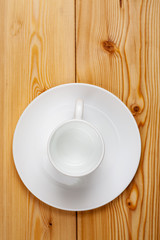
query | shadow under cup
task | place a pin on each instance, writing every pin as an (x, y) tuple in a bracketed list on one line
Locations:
[(76, 148)]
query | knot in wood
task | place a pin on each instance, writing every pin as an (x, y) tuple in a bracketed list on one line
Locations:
[(135, 109), (132, 200), (109, 46)]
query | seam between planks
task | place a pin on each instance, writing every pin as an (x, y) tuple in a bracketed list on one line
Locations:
[(75, 29)]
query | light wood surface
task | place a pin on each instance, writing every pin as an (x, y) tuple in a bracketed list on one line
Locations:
[(35, 54), (118, 48), (110, 43)]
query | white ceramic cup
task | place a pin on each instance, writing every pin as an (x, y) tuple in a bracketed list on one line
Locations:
[(76, 148)]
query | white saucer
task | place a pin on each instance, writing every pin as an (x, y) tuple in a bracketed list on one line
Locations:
[(119, 131)]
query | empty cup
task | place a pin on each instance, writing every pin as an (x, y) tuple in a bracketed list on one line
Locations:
[(76, 148)]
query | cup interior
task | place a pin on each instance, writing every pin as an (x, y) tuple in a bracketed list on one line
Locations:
[(76, 148)]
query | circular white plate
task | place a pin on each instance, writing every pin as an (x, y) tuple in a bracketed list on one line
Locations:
[(119, 131)]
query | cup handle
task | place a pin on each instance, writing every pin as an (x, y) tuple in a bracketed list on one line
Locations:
[(78, 113)]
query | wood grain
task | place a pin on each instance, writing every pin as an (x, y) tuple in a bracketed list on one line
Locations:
[(118, 48), (34, 56)]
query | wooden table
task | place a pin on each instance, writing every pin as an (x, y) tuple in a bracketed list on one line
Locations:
[(114, 44)]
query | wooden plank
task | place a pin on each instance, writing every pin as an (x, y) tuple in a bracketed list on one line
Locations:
[(35, 55), (118, 49)]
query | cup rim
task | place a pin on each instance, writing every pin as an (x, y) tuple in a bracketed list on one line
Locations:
[(96, 165)]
